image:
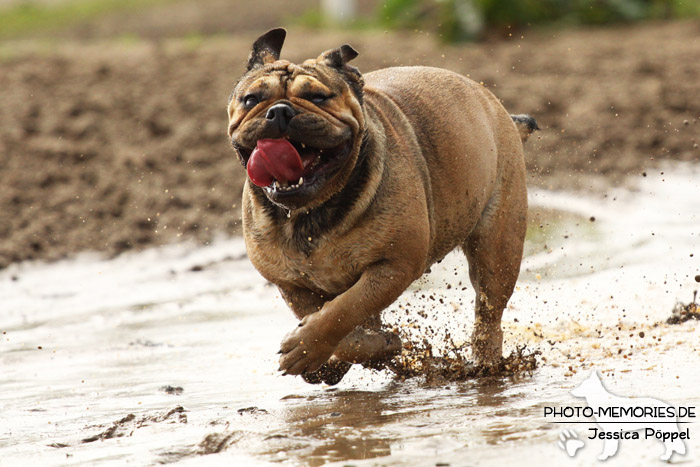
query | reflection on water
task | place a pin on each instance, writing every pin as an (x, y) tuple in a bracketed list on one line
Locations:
[(344, 425), (354, 424), (85, 343)]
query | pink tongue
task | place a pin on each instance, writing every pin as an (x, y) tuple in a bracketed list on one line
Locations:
[(274, 159)]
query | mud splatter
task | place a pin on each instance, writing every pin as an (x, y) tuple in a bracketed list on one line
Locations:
[(420, 360), (685, 312)]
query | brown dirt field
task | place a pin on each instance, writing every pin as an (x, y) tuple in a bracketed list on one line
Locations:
[(113, 145)]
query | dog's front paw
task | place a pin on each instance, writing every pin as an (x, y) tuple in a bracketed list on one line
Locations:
[(330, 372), (306, 348)]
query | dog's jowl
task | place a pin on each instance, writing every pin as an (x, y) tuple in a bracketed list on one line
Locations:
[(357, 184)]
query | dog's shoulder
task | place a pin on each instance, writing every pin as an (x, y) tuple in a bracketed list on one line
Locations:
[(415, 77)]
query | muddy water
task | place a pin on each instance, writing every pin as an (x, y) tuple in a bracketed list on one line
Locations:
[(168, 356)]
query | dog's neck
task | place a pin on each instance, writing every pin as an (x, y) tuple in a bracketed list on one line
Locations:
[(342, 210)]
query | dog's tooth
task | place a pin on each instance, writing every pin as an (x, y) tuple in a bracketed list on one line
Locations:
[(303, 145), (301, 181)]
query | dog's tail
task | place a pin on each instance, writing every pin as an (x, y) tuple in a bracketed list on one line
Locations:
[(526, 125)]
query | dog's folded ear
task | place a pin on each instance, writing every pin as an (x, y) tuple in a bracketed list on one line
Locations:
[(267, 48), (338, 57)]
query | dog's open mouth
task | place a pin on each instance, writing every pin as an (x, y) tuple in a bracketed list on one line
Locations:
[(285, 167)]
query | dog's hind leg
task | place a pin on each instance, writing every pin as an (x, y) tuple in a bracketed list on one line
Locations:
[(368, 344), (494, 251)]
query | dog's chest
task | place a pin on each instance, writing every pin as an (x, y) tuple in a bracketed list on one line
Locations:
[(329, 268)]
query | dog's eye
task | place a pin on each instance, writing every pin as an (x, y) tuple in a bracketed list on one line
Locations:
[(317, 98), (250, 101)]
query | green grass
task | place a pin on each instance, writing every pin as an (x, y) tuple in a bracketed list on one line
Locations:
[(26, 18), (313, 19), (455, 21)]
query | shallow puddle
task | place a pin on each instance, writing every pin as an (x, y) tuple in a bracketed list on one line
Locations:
[(168, 356)]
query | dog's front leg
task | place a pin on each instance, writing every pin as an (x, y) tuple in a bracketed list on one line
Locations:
[(365, 343), (316, 338), (302, 301)]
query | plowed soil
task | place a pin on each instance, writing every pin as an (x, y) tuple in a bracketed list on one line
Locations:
[(113, 144)]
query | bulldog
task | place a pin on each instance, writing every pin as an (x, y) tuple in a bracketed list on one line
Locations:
[(356, 184)]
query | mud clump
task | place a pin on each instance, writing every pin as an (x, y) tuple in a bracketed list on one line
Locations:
[(251, 410), (173, 390), (214, 443), (421, 361), (128, 424), (114, 431), (685, 312)]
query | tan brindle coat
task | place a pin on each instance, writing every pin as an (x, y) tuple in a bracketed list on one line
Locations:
[(442, 168)]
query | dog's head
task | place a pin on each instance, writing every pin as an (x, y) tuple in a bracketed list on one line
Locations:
[(297, 129)]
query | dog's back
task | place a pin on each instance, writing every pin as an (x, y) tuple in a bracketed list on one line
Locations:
[(466, 138)]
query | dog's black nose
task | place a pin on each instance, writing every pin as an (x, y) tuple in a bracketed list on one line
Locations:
[(280, 115)]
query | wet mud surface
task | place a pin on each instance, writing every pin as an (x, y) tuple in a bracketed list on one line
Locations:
[(168, 355)]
